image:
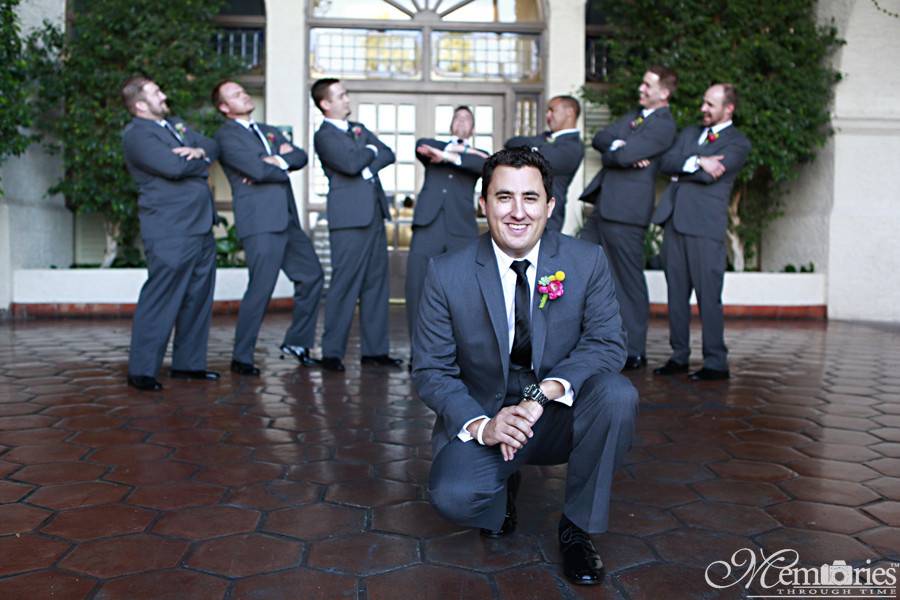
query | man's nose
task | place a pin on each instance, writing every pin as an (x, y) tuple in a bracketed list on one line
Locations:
[(518, 208)]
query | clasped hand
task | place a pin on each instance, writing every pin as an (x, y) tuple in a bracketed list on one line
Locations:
[(189, 153), (512, 427), (712, 165)]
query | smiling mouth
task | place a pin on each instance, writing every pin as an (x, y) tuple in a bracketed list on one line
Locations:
[(517, 227)]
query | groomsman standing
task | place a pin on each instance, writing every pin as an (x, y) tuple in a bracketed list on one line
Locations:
[(444, 218), (351, 156), (704, 163), (257, 158), (170, 166), (563, 149), (624, 192)]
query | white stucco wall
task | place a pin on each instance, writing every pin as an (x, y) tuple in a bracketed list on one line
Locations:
[(565, 75), (35, 228)]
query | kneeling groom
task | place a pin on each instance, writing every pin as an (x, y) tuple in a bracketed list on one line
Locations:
[(517, 348)]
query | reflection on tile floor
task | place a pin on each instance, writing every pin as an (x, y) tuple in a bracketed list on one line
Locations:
[(301, 484)]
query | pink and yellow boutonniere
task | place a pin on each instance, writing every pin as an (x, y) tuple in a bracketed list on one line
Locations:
[(357, 131), (635, 123), (551, 287), (712, 136), (180, 128)]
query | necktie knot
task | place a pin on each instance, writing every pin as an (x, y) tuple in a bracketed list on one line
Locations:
[(520, 267)]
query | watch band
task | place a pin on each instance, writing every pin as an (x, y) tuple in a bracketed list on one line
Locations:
[(533, 392)]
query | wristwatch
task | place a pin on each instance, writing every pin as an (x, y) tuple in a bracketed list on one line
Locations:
[(533, 392)]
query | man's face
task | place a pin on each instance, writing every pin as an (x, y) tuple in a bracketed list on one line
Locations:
[(462, 124), (559, 115), (516, 208), (154, 101), (714, 109), (651, 93), (337, 104), (235, 101)]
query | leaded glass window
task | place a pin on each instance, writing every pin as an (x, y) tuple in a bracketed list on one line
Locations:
[(365, 53), (484, 56)]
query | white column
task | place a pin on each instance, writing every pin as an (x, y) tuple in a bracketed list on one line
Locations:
[(287, 95), (565, 75)]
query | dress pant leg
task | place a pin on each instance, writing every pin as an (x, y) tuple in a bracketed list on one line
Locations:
[(374, 299), (590, 231), (624, 247), (301, 265), (191, 339), (264, 253), (168, 274), (428, 241), (707, 259), (348, 262), (678, 284)]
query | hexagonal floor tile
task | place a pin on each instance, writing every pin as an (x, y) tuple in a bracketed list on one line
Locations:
[(125, 555), (728, 518), (59, 586), (176, 584), (469, 550), (315, 521), (20, 553), (363, 553), (206, 522), (244, 555), (428, 582), (20, 518), (296, 583), (417, 519), (827, 517)]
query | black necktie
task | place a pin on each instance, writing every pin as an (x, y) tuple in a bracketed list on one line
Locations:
[(521, 349), (172, 130), (260, 137)]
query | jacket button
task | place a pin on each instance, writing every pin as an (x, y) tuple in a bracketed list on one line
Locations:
[(444, 190), (499, 396), (450, 176)]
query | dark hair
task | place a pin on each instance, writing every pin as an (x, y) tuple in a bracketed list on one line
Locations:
[(729, 95), (517, 158), (465, 108), (133, 90), (667, 78), (319, 90), (216, 95), (569, 101)]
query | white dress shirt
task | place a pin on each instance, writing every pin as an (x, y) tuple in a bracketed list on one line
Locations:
[(344, 125), (556, 134), (248, 125), (508, 280), (693, 162)]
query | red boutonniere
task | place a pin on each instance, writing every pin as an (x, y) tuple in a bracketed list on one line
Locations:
[(712, 136), (271, 137), (635, 123), (180, 128), (357, 131), (550, 287)]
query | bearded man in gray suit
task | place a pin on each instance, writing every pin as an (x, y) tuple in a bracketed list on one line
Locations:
[(257, 158), (352, 156), (169, 163), (517, 348), (624, 192), (704, 163)]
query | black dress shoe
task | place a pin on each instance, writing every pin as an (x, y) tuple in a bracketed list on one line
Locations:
[(671, 368), (332, 363), (301, 354), (382, 360), (202, 374), (581, 562), (144, 383), (511, 519), (242, 368), (635, 362), (705, 374)]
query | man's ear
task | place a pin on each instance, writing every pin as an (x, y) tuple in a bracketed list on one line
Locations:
[(551, 204), (483, 204)]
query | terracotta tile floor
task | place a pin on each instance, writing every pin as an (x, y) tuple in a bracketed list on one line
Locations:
[(309, 485)]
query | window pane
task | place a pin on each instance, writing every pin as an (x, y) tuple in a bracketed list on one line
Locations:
[(357, 9), (526, 122), (406, 148), (485, 142), (367, 116), (387, 117), (388, 176), (494, 11), (443, 115), (406, 118), (484, 56), (406, 178), (484, 119), (365, 53)]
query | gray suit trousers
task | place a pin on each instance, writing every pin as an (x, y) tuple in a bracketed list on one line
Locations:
[(695, 263), (428, 241), (359, 261), (624, 247), (292, 252), (178, 293), (468, 481)]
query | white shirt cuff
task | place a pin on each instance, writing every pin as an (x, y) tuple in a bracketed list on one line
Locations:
[(282, 164), (373, 148), (452, 157), (366, 173), (464, 435), (691, 164), (568, 397), (616, 145)]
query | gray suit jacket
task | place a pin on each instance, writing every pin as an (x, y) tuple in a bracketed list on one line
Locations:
[(461, 340), (625, 194), (267, 203), (450, 188), (564, 154), (697, 202), (174, 197), (352, 200)]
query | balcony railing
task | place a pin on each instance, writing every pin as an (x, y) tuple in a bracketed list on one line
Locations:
[(596, 62), (246, 44)]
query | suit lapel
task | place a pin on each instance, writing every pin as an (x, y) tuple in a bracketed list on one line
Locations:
[(492, 292), (547, 264)]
